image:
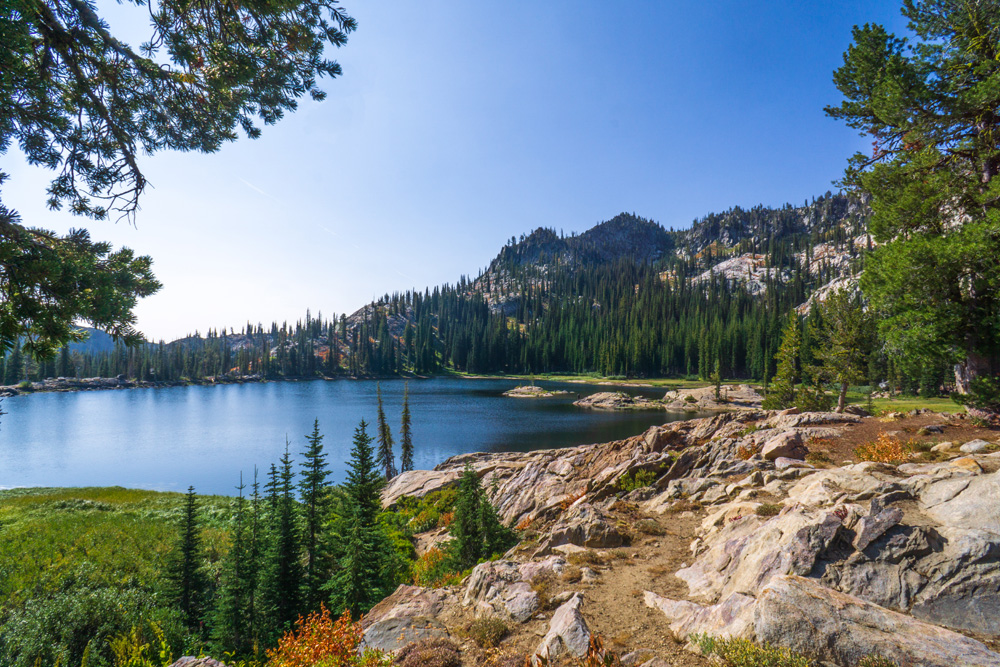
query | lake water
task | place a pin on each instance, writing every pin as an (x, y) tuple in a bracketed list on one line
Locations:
[(166, 439)]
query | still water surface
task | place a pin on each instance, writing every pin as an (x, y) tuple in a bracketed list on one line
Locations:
[(169, 438)]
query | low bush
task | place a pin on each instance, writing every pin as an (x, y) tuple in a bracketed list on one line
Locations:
[(544, 586), (650, 527), (435, 652), (767, 509), (488, 631), (740, 652), (317, 639), (598, 656), (885, 449), (434, 569), (640, 479), (876, 661)]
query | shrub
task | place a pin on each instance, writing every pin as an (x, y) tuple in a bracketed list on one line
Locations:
[(434, 652), (885, 449), (581, 558), (876, 661), (690, 399), (767, 509), (543, 585), (649, 527), (433, 569), (745, 653), (488, 631), (640, 479), (319, 640), (598, 656)]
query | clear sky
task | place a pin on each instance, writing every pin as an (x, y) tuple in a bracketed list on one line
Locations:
[(457, 125)]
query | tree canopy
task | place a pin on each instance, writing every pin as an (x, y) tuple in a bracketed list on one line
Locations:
[(78, 100), (932, 109)]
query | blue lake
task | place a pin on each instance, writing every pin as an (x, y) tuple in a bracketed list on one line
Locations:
[(167, 439)]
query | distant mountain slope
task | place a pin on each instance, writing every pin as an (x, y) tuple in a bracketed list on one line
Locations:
[(97, 341)]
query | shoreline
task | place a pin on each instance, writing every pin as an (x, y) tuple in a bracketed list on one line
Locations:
[(66, 385)]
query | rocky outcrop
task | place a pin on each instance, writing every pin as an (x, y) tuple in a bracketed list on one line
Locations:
[(568, 632), (504, 588), (803, 615), (617, 400), (533, 391), (834, 562), (585, 526), (925, 543), (731, 397), (411, 613)]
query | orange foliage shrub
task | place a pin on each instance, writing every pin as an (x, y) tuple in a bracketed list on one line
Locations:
[(318, 639), (524, 524), (885, 449), (566, 503)]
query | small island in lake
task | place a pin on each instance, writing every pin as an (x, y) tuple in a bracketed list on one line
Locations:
[(533, 391)]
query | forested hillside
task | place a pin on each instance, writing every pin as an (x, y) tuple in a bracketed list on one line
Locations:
[(626, 297)]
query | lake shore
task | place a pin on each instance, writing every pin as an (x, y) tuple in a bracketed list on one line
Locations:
[(63, 384)]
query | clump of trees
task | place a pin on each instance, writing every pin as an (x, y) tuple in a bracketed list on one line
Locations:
[(929, 106)]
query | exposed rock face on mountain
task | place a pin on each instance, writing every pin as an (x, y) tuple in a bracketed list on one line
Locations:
[(837, 562)]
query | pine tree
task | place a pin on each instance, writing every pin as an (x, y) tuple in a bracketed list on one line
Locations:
[(282, 572), (406, 435), (386, 458), (782, 392), (847, 339), (232, 615), (476, 530), (186, 579), (364, 563), (315, 493)]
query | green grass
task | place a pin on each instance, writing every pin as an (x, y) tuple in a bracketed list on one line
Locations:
[(83, 565), (906, 403), (46, 535)]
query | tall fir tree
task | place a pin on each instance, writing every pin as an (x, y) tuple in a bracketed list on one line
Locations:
[(476, 530), (782, 391), (386, 457), (282, 573), (184, 575), (846, 339), (314, 491), (231, 618), (406, 433), (363, 575)]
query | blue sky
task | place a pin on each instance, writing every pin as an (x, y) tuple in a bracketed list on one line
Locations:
[(457, 125)]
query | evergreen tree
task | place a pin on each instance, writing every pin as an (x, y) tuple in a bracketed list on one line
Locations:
[(782, 392), (184, 575), (930, 107), (232, 616), (405, 433), (364, 563), (281, 578), (386, 458), (476, 530), (315, 493), (846, 340), (13, 373)]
